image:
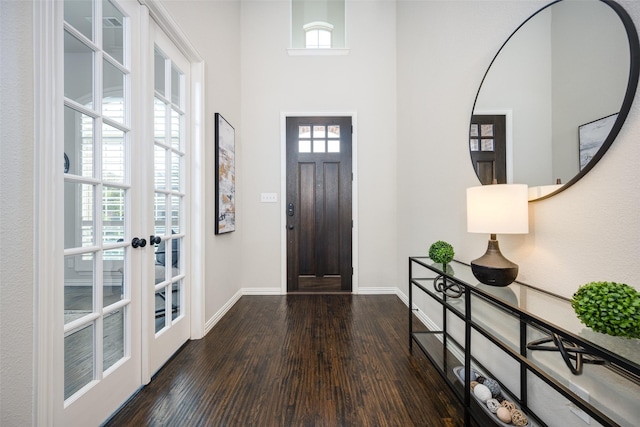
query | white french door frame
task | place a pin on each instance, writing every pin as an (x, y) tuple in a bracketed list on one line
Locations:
[(49, 182), (49, 190), (196, 186)]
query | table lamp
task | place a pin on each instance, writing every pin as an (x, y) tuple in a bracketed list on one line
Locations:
[(497, 209)]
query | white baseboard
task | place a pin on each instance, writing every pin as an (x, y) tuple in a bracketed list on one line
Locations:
[(402, 297), (425, 320), (377, 291), (220, 313), (261, 291)]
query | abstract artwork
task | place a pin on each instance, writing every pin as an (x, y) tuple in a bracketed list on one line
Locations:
[(592, 135), (225, 177)]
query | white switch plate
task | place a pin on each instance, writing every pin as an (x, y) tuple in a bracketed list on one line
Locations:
[(269, 197)]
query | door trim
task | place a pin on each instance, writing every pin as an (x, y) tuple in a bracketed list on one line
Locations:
[(49, 181), (283, 191)]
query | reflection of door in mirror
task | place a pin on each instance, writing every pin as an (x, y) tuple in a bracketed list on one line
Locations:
[(487, 143), (570, 63)]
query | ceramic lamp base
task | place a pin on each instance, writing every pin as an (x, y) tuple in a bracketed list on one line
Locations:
[(493, 268)]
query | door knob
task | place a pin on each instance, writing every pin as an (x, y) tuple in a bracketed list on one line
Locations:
[(138, 242), (290, 226), (154, 240)]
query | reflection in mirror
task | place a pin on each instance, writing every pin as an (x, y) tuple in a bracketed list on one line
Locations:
[(567, 70)]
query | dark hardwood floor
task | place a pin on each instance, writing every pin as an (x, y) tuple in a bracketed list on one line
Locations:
[(299, 360)]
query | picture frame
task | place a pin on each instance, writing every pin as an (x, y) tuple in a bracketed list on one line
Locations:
[(592, 135), (225, 176)]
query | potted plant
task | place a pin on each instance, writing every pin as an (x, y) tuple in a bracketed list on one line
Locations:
[(442, 253), (608, 307)]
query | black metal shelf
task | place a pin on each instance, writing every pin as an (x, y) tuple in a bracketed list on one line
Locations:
[(439, 346)]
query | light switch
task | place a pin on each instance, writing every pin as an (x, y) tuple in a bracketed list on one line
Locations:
[(269, 197)]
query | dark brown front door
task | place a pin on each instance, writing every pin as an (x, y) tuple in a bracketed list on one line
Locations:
[(487, 143), (318, 204)]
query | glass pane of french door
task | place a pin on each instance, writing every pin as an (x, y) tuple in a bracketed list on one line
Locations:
[(99, 308), (169, 117), (167, 304)]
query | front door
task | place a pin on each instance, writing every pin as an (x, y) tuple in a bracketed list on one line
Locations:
[(487, 143), (318, 204)]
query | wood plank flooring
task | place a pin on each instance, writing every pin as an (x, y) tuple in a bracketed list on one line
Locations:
[(299, 360)]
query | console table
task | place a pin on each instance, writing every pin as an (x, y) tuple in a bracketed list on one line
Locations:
[(557, 371)]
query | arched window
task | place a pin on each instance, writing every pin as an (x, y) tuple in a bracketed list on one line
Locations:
[(317, 35), (318, 26)]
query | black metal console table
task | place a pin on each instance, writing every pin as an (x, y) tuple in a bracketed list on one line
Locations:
[(528, 340)]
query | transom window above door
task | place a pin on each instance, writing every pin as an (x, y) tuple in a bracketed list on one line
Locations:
[(319, 139)]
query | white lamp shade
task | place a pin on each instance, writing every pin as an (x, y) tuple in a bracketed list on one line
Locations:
[(498, 209)]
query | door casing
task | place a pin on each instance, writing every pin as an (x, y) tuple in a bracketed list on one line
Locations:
[(283, 191)]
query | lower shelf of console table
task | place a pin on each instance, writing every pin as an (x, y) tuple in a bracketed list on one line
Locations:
[(452, 370)]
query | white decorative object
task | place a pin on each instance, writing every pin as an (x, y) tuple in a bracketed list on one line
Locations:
[(482, 392)]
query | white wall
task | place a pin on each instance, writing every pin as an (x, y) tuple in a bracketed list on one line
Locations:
[(588, 232), (213, 28), (16, 214), (362, 82)]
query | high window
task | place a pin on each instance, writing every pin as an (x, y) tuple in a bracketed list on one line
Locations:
[(318, 24), (317, 35)]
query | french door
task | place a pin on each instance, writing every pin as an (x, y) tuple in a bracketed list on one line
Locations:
[(166, 286), (125, 290), (101, 358)]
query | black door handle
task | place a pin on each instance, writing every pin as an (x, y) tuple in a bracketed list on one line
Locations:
[(141, 243), (290, 226), (154, 240)]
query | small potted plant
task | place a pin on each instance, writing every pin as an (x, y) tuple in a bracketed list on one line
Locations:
[(608, 307), (442, 253)]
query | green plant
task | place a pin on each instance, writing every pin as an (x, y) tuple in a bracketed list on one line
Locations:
[(441, 252), (608, 307)]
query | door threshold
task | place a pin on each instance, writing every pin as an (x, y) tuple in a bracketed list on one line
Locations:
[(319, 293)]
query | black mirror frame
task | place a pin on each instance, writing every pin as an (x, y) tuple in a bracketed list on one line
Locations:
[(632, 85)]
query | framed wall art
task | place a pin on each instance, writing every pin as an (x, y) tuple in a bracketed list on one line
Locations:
[(591, 136), (225, 178)]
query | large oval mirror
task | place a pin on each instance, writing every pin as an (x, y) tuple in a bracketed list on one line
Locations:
[(555, 96)]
